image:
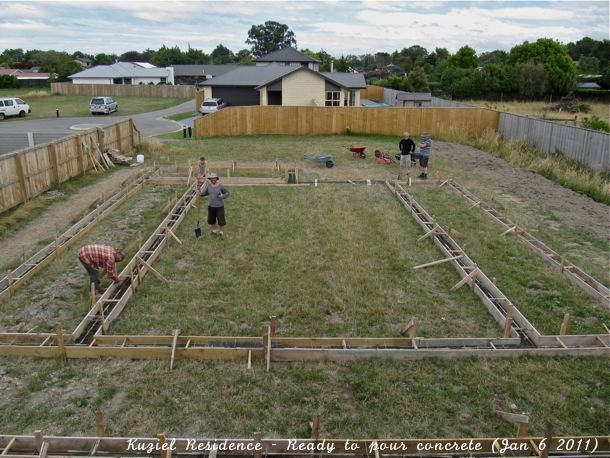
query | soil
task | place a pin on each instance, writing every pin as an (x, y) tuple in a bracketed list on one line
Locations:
[(58, 217)]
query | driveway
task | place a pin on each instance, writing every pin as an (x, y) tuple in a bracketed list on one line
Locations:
[(22, 133)]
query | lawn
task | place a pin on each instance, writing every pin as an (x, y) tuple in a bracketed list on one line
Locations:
[(45, 105), (329, 260)]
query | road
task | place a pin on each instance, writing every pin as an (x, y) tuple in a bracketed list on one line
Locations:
[(14, 134)]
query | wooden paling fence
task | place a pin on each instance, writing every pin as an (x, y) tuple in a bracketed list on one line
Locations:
[(126, 90), (258, 120), (27, 173)]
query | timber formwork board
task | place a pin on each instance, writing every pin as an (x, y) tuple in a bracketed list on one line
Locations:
[(39, 446), (111, 303), (88, 339), (43, 257), (574, 273), (498, 305)]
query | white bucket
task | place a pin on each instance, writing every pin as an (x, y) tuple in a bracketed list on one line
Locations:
[(140, 158)]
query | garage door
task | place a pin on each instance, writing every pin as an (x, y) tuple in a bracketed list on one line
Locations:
[(237, 96)]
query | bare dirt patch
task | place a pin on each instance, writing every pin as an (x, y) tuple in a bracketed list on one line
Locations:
[(58, 217)]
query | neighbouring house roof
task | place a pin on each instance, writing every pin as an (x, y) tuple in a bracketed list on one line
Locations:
[(260, 76), (207, 70), (23, 75), (287, 55), (416, 96), (347, 80), (121, 70), (252, 76), (588, 85)]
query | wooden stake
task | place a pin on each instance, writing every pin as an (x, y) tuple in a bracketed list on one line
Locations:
[(273, 320), (510, 229), (161, 441), (564, 324), (154, 272), (430, 232), (467, 279), (268, 355), (508, 322), (60, 343), (174, 341), (91, 295), (434, 263), (99, 424), (548, 435), (249, 359), (104, 322), (315, 427), (169, 231)]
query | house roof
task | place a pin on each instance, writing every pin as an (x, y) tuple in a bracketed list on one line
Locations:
[(588, 85), (121, 70), (201, 70), (251, 75), (288, 54), (263, 75), (417, 96), (348, 80), (22, 75)]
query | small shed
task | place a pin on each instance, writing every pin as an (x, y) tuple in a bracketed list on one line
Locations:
[(413, 99)]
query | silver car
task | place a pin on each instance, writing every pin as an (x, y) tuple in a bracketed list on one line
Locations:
[(105, 105), (212, 105)]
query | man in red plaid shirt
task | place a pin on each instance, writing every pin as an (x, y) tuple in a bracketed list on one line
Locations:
[(96, 257)]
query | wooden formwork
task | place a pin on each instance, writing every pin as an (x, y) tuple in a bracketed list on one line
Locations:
[(574, 273), (18, 276), (88, 339), (40, 446)]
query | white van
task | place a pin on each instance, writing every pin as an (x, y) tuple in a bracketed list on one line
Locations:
[(13, 106)]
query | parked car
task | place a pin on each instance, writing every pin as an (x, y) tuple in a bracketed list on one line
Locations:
[(13, 106), (212, 105), (105, 105)]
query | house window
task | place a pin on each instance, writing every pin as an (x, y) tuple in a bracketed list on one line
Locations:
[(333, 99)]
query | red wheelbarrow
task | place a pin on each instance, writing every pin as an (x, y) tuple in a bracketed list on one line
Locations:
[(358, 151)]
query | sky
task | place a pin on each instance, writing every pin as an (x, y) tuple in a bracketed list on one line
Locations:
[(340, 28)]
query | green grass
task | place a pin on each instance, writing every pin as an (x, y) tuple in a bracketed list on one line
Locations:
[(45, 105), (332, 260)]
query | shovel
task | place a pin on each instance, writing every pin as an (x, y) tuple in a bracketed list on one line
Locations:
[(198, 228)]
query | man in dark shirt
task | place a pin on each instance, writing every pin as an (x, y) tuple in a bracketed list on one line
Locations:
[(407, 147)]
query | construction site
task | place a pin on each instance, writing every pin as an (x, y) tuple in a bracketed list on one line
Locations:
[(222, 336)]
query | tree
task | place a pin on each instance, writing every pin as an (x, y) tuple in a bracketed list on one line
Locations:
[(559, 66), (103, 59), (588, 65), (134, 56), (10, 57), (494, 57), (533, 80), (222, 55), (418, 80), (166, 57), (269, 37), (244, 57), (465, 57), (196, 57), (59, 64)]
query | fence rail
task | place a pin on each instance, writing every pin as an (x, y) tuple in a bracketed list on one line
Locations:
[(26, 173)]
